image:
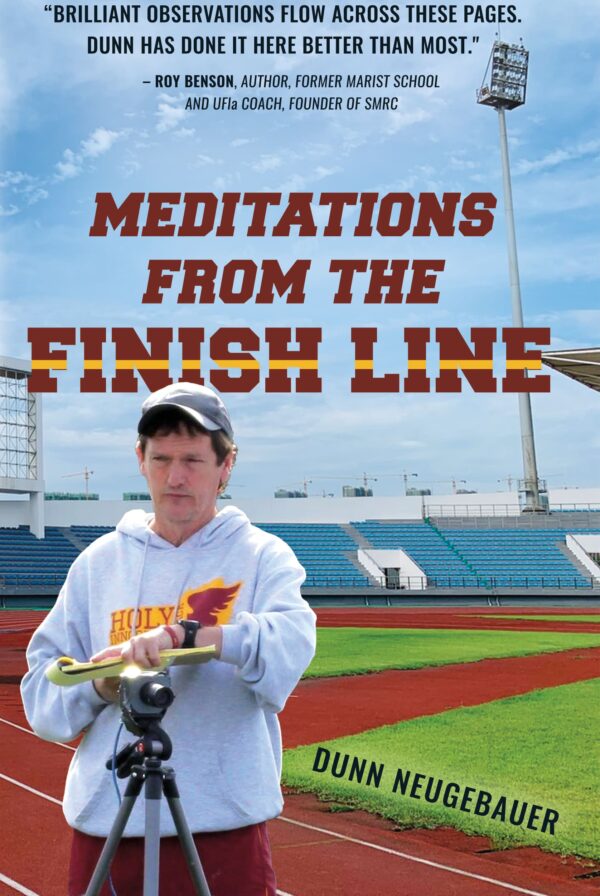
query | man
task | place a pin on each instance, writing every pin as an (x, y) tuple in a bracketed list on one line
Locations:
[(185, 575)]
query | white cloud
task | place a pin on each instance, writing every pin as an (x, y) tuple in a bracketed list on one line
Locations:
[(12, 178), (397, 121), (207, 160), (98, 143), (18, 183), (36, 194), (461, 164), (70, 166), (223, 183), (321, 171), (558, 157), (267, 163), (170, 112), (297, 182), (130, 164), (586, 321)]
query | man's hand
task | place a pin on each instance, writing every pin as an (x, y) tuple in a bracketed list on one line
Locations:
[(142, 650), (107, 688)]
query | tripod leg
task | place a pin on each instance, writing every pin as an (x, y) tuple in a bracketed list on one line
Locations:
[(185, 837), (116, 832), (153, 795)]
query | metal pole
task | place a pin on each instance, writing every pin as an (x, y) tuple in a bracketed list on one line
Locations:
[(526, 419)]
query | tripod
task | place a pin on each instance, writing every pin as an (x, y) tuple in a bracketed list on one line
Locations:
[(142, 761)]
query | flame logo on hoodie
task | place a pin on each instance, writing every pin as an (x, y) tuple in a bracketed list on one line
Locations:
[(210, 604)]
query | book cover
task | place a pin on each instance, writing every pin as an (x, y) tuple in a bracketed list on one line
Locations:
[(302, 206)]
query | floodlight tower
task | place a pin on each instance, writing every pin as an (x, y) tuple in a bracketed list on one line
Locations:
[(506, 90)]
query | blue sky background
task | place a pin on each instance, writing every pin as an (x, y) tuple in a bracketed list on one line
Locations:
[(75, 124)]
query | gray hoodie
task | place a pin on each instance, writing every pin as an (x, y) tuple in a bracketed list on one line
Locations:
[(223, 722)]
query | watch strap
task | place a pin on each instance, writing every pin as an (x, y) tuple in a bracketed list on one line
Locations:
[(190, 627)]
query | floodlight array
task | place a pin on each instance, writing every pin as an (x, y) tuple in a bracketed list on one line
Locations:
[(18, 435), (508, 77)]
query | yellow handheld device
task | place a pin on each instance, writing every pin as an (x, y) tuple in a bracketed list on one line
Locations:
[(66, 671)]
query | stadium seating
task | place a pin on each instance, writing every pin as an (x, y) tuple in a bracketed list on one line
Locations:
[(321, 548), (88, 534), (513, 558), (491, 557), (441, 562), (451, 555), (26, 561)]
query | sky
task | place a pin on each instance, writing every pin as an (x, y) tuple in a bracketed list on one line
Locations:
[(75, 123)]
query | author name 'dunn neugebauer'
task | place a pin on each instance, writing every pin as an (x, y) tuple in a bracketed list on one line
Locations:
[(418, 786)]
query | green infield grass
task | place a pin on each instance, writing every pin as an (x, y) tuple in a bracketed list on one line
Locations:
[(354, 651), (541, 749), (583, 617)]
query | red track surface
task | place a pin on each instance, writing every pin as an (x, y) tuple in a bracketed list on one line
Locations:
[(461, 617), (324, 708), (318, 853), (329, 866)]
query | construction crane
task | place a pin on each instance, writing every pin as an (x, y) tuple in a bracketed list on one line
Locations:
[(86, 475), (404, 475), (303, 492), (454, 482), (509, 481), (365, 478)]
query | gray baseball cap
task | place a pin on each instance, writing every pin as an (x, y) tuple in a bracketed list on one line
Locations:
[(199, 403)]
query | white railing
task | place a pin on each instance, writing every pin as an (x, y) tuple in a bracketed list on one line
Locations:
[(467, 510), (483, 583)]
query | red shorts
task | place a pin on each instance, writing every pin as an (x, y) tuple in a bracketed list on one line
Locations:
[(236, 863)]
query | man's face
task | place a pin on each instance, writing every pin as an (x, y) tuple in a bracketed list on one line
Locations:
[(184, 477)]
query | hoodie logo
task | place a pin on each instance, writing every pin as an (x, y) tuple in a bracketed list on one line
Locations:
[(211, 604), (146, 618)]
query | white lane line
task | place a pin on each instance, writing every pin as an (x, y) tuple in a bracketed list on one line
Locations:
[(21, 889), (24, 890), (29, 731), (385, 849), (408, 857), (44, 796), (15, 886)]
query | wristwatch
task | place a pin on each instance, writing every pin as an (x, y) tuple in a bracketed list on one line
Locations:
[(190, 627)]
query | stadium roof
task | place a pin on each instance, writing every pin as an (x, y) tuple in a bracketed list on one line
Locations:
[(581, 364)]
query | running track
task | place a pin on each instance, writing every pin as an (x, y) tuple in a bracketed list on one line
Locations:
[(458, 617), (316, 853)]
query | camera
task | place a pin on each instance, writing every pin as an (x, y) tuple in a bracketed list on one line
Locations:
[(144, 698)]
